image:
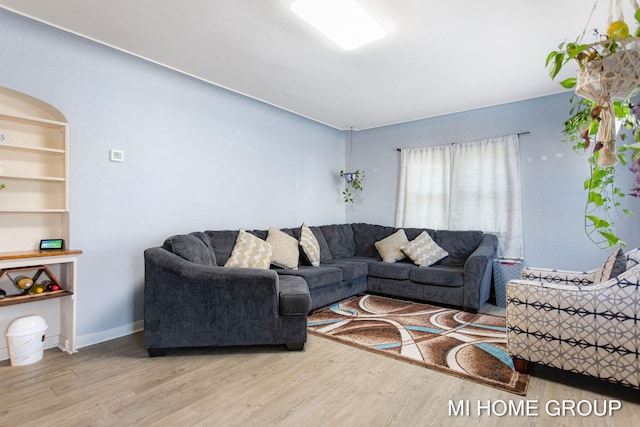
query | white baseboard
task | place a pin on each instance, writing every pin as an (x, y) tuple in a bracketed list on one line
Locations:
[(87, 340), (109, 334)]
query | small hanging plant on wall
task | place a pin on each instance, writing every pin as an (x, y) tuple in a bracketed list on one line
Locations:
[(353, 181), (608, 77)]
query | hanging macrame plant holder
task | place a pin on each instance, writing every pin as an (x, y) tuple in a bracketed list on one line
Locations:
[(614, 74)]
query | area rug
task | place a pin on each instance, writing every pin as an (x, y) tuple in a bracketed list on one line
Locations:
[(469, 346)]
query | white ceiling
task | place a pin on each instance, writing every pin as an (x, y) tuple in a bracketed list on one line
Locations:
[(440, 56)]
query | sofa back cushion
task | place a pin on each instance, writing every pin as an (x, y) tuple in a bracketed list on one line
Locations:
[(325, 252), (459, 245), (194, 247), (339, 238), (412, 233), (222, 242), (366, 235)]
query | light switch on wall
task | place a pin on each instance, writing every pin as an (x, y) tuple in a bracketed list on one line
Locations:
[(116, 155)]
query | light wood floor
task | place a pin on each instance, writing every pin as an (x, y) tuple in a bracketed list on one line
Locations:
[(328, 384)]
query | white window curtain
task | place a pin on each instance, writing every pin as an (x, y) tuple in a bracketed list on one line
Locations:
[(467, 186)]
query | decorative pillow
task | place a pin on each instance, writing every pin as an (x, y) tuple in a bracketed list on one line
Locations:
[(423, 251), (389, 247), (614, 264), (285, 249), (310, 245), (250, 252)]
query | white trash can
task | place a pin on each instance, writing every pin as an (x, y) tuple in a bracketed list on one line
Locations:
[(25, 337)]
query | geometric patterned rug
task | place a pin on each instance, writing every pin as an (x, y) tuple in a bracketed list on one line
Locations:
[(466, 345)]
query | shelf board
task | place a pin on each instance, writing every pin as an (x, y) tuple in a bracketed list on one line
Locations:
[(38, 254), (33, 149), (32, 120), (21, 299), (34, 178), (33, 211)]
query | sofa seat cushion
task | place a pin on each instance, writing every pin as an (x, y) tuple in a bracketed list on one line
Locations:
[(316, 277), (294, 296), (439, 275), (384, 270), (351, 269)]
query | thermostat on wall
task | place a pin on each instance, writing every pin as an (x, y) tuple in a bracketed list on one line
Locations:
[(116, 155), (46, 244)]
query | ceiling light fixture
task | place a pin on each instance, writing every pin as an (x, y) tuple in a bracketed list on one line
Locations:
[(344, 22)]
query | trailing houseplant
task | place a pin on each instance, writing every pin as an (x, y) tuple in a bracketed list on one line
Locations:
[(600, 104), (353, 181)]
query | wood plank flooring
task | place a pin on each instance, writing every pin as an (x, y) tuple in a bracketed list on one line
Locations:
[(328, 384)]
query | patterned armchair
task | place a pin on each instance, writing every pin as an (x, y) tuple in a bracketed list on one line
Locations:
[(587, 323)]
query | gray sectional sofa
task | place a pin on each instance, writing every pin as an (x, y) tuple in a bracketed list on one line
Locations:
[(191, 299)]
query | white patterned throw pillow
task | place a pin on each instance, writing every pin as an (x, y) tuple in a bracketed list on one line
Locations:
[(310, 245), (389, 247), (423, 251), (250, 252), (285, 249)]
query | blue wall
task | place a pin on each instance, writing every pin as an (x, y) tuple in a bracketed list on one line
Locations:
[(196, 157), (552, 176)]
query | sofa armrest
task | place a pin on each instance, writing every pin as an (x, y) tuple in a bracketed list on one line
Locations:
[(183, 298), (586, 329), (558, 276), (477, 272), (165, 270), (548, 313)]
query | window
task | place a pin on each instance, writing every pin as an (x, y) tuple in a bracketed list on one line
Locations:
[(468, 186)]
